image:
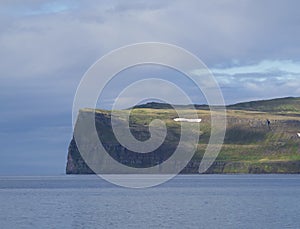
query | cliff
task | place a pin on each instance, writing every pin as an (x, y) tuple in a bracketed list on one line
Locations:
[(251, 145)]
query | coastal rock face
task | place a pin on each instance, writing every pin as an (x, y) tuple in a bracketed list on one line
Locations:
[(255, 141), (75, 163)]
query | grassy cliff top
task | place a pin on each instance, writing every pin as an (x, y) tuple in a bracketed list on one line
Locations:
[(272, 108)]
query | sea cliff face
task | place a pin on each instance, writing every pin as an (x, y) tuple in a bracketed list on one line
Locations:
[(75, 162), (251, 144)]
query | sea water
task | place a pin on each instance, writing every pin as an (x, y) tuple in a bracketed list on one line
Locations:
[(187, 201)]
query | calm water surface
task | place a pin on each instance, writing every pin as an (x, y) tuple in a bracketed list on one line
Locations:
[(187, 201)]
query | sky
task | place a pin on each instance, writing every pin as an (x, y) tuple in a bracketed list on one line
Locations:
[(251, 47)]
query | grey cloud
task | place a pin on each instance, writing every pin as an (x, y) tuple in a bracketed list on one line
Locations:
[(216, 31)]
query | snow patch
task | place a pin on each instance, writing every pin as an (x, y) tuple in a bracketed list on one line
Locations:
[(187, 119)]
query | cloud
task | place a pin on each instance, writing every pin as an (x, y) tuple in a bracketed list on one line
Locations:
[(263, 67), (265, 79), (33, 44)]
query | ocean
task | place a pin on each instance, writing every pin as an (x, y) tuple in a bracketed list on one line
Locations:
[(187, 201)]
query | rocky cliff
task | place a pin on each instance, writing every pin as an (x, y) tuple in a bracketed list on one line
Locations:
[(256, 141)]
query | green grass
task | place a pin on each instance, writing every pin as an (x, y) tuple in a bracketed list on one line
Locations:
[(247, 135), (289, 104)]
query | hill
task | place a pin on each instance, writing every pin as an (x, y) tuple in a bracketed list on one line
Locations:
[(250, 144), (280, 105)]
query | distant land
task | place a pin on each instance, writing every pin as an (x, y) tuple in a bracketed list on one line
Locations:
[(251, 144)]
